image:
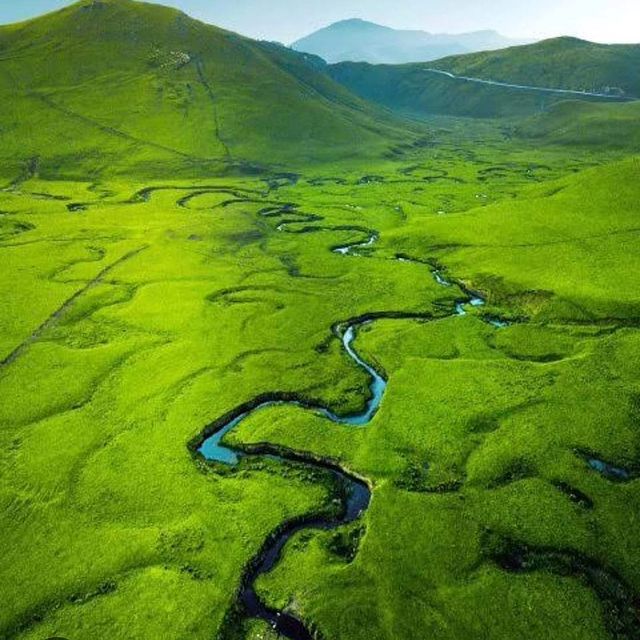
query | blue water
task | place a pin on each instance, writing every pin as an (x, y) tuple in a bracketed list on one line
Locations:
[(377, 386), (440, 279), (608, 470), (474, 301), (350, 248), (461, 307), (212, 449)]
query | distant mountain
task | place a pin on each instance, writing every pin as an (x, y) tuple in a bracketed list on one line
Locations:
[(107, 84), (361, 41), (560, 63)]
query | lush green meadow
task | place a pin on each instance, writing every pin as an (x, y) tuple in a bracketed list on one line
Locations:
[(559, 63), (172, 251), (564, 62), (131, 322)]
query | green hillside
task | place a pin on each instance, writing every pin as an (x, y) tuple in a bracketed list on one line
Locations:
[(614, 126), (123, 84), (563, 63), (412, 90), (570, 246), (277, 363)]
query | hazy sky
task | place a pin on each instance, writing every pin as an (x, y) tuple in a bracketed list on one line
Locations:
[(287, 20)]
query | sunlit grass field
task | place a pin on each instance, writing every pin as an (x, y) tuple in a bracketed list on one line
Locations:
[(190, 221), (134, 313)]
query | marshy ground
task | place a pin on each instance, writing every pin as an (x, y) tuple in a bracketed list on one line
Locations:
[(504, 462)]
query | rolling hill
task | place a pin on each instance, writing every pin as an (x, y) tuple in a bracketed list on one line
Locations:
[(392, 395), (124, 85), (615, 126), (361, 41), (567, 63), (563, 63)]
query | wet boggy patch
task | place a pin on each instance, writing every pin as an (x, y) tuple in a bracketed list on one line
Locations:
[(620, 605)]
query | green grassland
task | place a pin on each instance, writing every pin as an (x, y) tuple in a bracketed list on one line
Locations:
[(176, 96), (601, 126), (187, 309), (567, 63), (561, 63), (162, 266), (563, 251), (480, 436)]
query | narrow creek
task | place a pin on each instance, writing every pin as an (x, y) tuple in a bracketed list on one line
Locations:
[(356, 492)]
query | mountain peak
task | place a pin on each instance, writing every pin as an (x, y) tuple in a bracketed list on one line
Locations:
[(350, 21), (355, 22), (96, 5), (225, 102), (568, 40), (356, 25), (357, 40)]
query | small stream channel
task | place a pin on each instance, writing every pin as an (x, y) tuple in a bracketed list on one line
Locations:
[(356, 494)]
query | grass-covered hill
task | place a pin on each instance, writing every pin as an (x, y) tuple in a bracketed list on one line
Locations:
[(615, 126), (124, 84), (566, 63), (412, 90), (562, 63)]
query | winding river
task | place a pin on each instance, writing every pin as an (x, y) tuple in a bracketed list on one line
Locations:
[(356, 494)]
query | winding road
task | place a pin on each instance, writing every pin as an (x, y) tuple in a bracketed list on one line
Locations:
[(525, 87)]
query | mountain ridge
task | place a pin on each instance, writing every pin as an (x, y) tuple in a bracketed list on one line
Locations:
[(151, 84), (563, 63), (566, 62), (358, 40)]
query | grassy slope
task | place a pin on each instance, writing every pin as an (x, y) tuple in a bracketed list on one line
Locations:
[(566, 63), (158, 91), (562, 63), (108, 523), (564, 250), (481, 427), (172, 312), (412, 90), (599, 126)]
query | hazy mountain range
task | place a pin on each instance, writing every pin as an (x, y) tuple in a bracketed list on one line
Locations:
[(361, 41)]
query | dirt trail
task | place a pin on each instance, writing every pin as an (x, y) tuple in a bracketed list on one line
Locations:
[(59, 313)]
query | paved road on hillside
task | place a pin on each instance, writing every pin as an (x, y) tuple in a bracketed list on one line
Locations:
[(528, 87)]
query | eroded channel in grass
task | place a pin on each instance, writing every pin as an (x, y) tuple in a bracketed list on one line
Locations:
[(355, 495), (354, 499)]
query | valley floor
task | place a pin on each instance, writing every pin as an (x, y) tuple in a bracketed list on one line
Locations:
[(503, 460)]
